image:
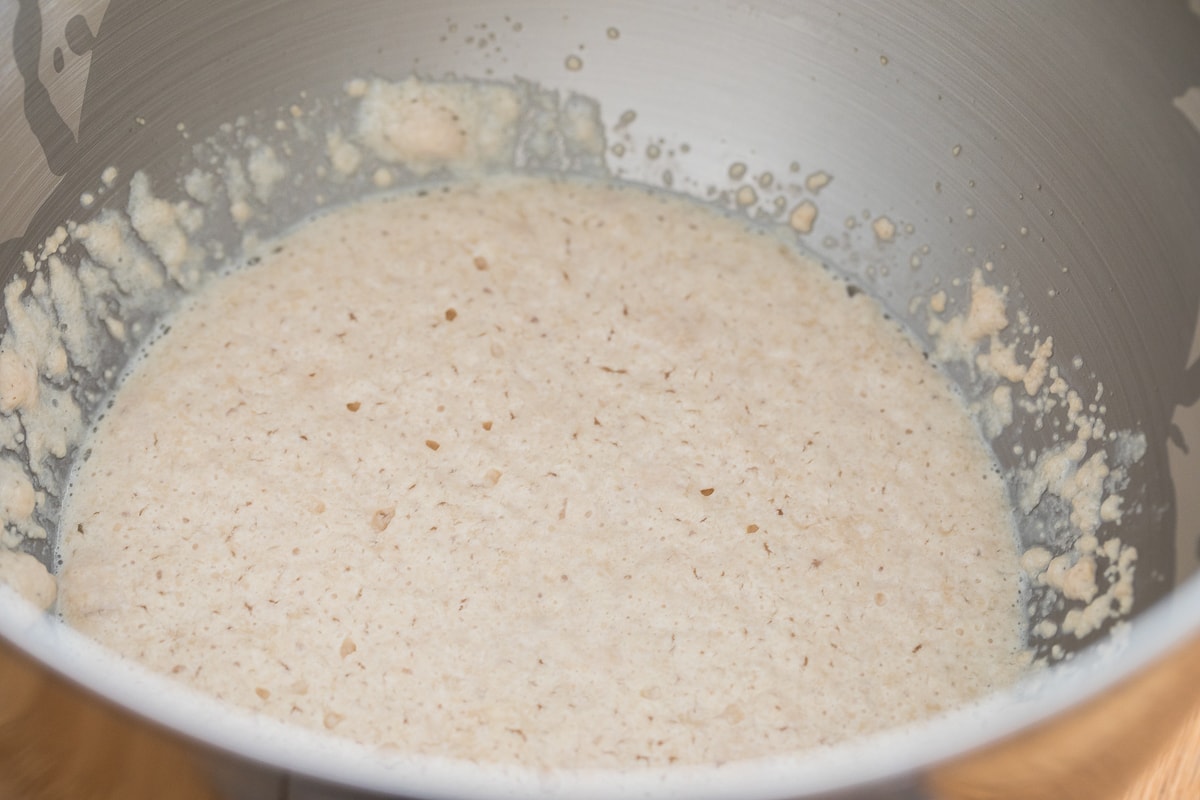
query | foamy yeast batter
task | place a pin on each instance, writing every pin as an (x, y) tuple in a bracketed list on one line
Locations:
[(552, 473)]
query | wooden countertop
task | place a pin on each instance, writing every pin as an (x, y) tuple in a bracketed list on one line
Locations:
[(1175, 771), (1140, 740)]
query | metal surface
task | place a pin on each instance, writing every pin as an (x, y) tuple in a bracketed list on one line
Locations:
[(1042, 137)]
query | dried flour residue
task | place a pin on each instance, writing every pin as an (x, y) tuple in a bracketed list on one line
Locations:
[(1088, 581)]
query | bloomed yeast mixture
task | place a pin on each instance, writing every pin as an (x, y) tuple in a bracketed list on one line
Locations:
[(556, 473)]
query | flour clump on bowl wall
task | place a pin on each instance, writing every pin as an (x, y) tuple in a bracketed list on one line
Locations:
[(1082, 574)]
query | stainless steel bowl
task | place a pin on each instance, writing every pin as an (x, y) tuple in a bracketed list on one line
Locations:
[(1059, 141)]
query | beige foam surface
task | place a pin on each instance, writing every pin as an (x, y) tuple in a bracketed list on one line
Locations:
[(548, 473)]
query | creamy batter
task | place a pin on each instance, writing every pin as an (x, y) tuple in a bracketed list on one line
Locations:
[(561, 474)]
